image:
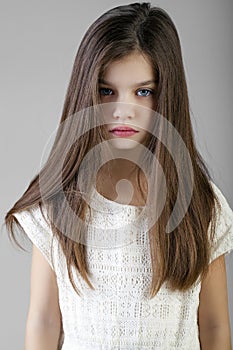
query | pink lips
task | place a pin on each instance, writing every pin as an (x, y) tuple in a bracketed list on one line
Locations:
[(123, 131)]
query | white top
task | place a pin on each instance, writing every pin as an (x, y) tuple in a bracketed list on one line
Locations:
[(118, 313)]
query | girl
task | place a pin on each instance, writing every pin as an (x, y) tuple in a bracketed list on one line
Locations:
[(108, 271)]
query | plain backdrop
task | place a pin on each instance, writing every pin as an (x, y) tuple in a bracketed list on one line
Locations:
[(39, 40)]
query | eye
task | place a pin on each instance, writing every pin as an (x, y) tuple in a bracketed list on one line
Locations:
[(144, 92), (105, 91)]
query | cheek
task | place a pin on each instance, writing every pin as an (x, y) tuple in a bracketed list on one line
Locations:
[(150, 103), (147, 120), (153, 104)]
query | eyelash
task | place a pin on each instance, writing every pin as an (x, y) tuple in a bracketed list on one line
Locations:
[(149, 90)]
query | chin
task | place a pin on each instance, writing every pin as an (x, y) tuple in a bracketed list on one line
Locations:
[(121, 143)]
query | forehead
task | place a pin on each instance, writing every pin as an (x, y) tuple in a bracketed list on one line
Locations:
[(134, 67)]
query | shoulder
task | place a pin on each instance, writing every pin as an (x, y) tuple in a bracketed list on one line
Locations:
[(223, 235), (35, 216), (36, 225)]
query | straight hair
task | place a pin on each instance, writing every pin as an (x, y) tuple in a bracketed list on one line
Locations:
[(182, 256)]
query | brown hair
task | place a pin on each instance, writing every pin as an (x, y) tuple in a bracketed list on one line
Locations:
[(181, 256)]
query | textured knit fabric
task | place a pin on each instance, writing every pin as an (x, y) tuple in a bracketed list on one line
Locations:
[(118, 314)]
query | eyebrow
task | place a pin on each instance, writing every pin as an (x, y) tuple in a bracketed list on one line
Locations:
[(142, 83)]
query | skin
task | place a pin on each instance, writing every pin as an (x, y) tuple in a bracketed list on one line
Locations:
[(132, 103), (213, 316), (44, 317)]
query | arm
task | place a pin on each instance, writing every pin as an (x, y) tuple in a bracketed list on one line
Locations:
[(44, 319), (214, 325)]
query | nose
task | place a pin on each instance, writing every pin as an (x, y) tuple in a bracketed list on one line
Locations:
[(123, 110)]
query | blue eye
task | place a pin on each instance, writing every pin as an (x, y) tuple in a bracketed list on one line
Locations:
[(145, 92), (105, 91)]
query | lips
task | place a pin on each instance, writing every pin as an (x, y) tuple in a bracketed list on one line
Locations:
[(123, 131)]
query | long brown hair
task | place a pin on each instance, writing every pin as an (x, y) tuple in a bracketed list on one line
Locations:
[(178, 258)]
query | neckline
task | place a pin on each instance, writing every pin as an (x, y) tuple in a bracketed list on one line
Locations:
[(112, 203)]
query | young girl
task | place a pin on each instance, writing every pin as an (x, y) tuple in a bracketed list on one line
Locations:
[(129, 231)]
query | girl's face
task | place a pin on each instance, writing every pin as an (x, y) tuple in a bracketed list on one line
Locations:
[(129, 85)]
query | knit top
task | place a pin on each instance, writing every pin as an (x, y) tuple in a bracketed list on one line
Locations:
[(118, 313)]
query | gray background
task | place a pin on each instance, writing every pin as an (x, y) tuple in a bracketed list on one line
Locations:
[(39, 40)]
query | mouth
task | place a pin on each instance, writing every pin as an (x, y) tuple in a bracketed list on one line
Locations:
[(123, 131)]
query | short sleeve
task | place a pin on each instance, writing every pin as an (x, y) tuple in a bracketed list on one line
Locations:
[(223, 238), (38, 231)]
